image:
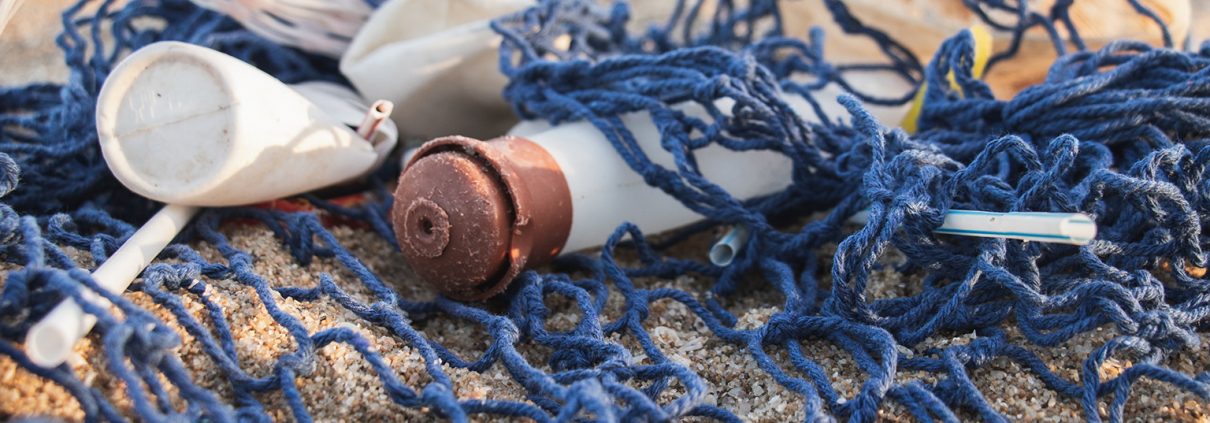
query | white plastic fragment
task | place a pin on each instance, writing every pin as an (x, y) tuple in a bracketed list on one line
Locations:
[(318, 26)]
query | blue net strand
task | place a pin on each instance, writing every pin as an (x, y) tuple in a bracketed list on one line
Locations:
[(1130, 177), (1116, 133)]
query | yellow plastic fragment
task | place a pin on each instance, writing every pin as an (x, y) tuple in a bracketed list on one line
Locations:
[(983, 51)]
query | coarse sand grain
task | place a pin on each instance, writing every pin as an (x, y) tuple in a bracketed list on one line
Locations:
[(343, 388)]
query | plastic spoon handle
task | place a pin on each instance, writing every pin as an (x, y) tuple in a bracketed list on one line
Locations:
[(51, 340)]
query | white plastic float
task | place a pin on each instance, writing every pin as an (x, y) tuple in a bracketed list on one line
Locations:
[(192, 127)]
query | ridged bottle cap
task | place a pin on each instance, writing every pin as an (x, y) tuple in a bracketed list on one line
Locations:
[(470, 215)]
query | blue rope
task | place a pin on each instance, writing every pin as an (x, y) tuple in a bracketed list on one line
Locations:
[(1110, 133), (1116, 133)]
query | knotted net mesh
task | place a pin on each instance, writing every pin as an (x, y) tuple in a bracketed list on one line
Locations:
[(1117, 133)]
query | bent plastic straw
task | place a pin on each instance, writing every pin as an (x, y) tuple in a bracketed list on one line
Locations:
[(192, 127), (1062, 228)]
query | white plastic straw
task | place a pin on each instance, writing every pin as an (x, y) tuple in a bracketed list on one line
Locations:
[(375, 116), (51, 340), (1063, 228), (724, 251)]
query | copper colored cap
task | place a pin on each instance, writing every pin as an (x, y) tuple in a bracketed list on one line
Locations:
[(470, 215)]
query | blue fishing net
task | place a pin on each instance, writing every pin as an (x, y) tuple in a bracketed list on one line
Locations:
[(1117, 133)]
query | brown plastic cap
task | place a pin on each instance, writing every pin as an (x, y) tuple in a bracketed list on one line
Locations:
[(471, 215)]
